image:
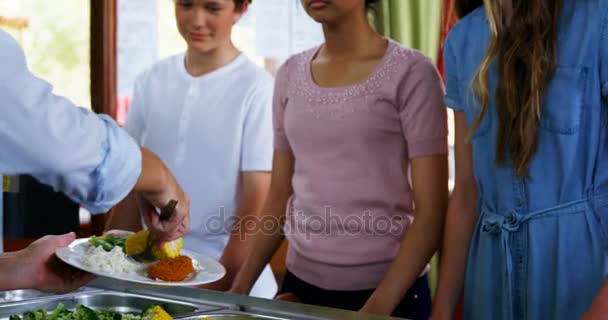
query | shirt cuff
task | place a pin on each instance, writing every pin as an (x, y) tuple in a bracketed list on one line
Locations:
[(259, 163), (280, 142), (453, 104), (427, 147)]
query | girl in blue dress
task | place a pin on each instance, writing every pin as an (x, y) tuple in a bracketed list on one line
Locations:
[(527, 227)]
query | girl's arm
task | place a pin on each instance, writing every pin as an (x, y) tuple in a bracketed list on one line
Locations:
[(266, 240), (423, 237), (255, 186), (460, 223)]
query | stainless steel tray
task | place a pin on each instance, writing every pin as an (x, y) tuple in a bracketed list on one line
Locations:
[(117, 301), (22, 295), (232, 315)]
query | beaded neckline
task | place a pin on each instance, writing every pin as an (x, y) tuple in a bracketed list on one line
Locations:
[(315, 51), (328, 102)]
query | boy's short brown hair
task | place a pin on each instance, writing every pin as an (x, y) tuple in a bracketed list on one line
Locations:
[(239, 3)]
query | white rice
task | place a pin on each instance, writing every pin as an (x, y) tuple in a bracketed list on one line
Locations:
[(111, 262)]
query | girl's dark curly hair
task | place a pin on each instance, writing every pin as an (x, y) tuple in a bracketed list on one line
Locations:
[(370, 4)]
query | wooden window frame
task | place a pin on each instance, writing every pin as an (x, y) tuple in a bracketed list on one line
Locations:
[(103, 73), (103, 56)]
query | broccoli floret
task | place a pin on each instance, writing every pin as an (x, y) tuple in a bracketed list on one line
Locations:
[(84, 313), (29, 316), (147, 310), (108, 315), (40, 314), (14, 317), (65, 314)]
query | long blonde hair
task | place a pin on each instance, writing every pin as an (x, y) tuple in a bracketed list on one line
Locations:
[(525, 49)]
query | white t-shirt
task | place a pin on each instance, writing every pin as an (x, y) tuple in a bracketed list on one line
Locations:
[(207, 130)]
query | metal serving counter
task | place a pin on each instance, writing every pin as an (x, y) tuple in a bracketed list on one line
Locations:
[(181, 303)]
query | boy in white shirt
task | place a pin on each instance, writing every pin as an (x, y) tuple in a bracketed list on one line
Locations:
[(208, 114)]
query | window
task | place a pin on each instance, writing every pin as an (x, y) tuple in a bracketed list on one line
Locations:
[(56, 44)]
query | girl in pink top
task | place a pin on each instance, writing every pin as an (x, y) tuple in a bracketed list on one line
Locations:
[(354, 119)]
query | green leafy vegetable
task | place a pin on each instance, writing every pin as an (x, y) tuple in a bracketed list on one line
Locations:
[(56, 312), (108, 242), (80, 313), (29, 316)]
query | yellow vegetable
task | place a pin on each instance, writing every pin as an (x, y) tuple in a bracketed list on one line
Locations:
[(157, 313), (137, 243), (169, 250)]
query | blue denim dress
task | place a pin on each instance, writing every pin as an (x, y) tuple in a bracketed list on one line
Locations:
[(540, 245)]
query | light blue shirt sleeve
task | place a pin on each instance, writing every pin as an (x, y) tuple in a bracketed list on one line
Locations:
[(86, 156)]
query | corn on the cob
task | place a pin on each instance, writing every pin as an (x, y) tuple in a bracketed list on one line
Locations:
[(137, 243), (156, 313), (168, 250)]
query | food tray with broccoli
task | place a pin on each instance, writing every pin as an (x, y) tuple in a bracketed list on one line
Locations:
[(233, 315), (100, 306)]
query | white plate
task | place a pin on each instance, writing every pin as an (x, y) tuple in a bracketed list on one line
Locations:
[(207, 269)]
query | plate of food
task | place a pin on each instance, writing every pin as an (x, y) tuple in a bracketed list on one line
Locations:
[(135, 257)]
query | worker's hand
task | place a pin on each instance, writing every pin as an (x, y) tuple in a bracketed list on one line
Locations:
[(154, 189), (37, 267), (179, 223)]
